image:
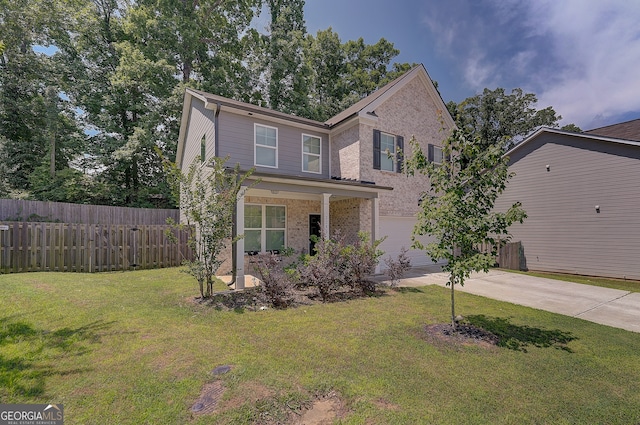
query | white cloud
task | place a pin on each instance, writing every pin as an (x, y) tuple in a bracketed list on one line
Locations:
[(597, 47), (580, 56)]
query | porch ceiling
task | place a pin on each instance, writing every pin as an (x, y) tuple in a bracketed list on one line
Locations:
[(307, 188)]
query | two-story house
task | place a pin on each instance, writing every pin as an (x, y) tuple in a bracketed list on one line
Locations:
[(344, 174)]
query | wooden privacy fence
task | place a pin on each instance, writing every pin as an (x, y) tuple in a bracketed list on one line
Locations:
[(62, 212), (27, 247), (510, 256)]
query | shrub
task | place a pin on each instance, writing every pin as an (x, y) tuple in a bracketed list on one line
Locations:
[(397, 267), (277, 285), (360, 261), (336, 263), (326, 269)]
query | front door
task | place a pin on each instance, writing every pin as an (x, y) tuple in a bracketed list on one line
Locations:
[(314, 230)]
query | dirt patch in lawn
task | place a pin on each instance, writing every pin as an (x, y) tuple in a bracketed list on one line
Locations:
[(323, 411), (273, 409), (251, 392)]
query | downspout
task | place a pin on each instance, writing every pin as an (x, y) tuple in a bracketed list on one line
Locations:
[(216, 133), (234, 216), (234, 244)]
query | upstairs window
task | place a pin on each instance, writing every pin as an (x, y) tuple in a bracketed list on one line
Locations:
[(311, 154), (387, 151), (266, 146), (434, 154)]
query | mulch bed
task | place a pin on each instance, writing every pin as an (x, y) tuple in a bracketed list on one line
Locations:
[(252, 299), (463, 334)]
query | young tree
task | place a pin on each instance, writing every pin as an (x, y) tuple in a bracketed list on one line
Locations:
[(208, 197), (457, 210)]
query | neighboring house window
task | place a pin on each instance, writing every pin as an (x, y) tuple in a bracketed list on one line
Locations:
[(387, 151), (264, 227), (434, 154), (266, 146), (311, 158)]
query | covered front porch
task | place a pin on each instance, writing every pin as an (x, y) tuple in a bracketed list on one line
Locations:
[(282, 212)]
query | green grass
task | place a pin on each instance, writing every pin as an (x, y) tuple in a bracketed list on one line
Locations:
[(625, 285), (129, 348)]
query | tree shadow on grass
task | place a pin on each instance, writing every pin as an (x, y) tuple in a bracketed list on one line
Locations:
[(406, 290), (518, 338), (24, 375)]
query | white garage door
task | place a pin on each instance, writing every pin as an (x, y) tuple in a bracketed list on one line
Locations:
[(398, 231)]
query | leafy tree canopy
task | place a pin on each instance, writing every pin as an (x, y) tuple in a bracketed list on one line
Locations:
[(495, 115)]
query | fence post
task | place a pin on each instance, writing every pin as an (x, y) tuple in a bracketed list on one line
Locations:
[(135, 247)]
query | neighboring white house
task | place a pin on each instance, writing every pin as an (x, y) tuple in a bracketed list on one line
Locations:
[(581, 192), (343, 174)]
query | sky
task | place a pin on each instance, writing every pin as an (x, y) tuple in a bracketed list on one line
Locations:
[(582, 57)]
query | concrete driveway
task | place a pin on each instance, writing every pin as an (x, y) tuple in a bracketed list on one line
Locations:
[(612, 307)]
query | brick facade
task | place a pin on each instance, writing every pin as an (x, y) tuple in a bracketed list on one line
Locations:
[(350, 216), (406, 114)]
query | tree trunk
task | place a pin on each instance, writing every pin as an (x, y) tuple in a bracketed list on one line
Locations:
[(452, 281)]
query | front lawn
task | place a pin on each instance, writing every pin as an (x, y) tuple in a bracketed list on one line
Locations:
[(132, 348)]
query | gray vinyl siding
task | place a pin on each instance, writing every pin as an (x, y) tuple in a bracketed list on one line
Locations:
[(200, 124), (563, 231), (236, 139)]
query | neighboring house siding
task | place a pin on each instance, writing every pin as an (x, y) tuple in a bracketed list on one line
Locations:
[(407, 113), (563, 231), (237, 141), (200, 124)]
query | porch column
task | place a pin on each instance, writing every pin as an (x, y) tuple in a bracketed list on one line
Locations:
[(239, 260), (375, 224), (324, 222)]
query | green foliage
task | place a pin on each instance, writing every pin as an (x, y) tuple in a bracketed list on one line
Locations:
[(68, 185), (571, 127), (457, 209), (497, 117), (108, 100), (208, 195)]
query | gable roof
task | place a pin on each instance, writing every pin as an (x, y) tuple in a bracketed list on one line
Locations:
[(629, 130), (213, 99), (595, 137), (384, 92)]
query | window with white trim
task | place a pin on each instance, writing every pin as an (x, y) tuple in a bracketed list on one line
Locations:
[(264, 227), (311, 154), (434, 154), (266, 146), (387, 151)]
